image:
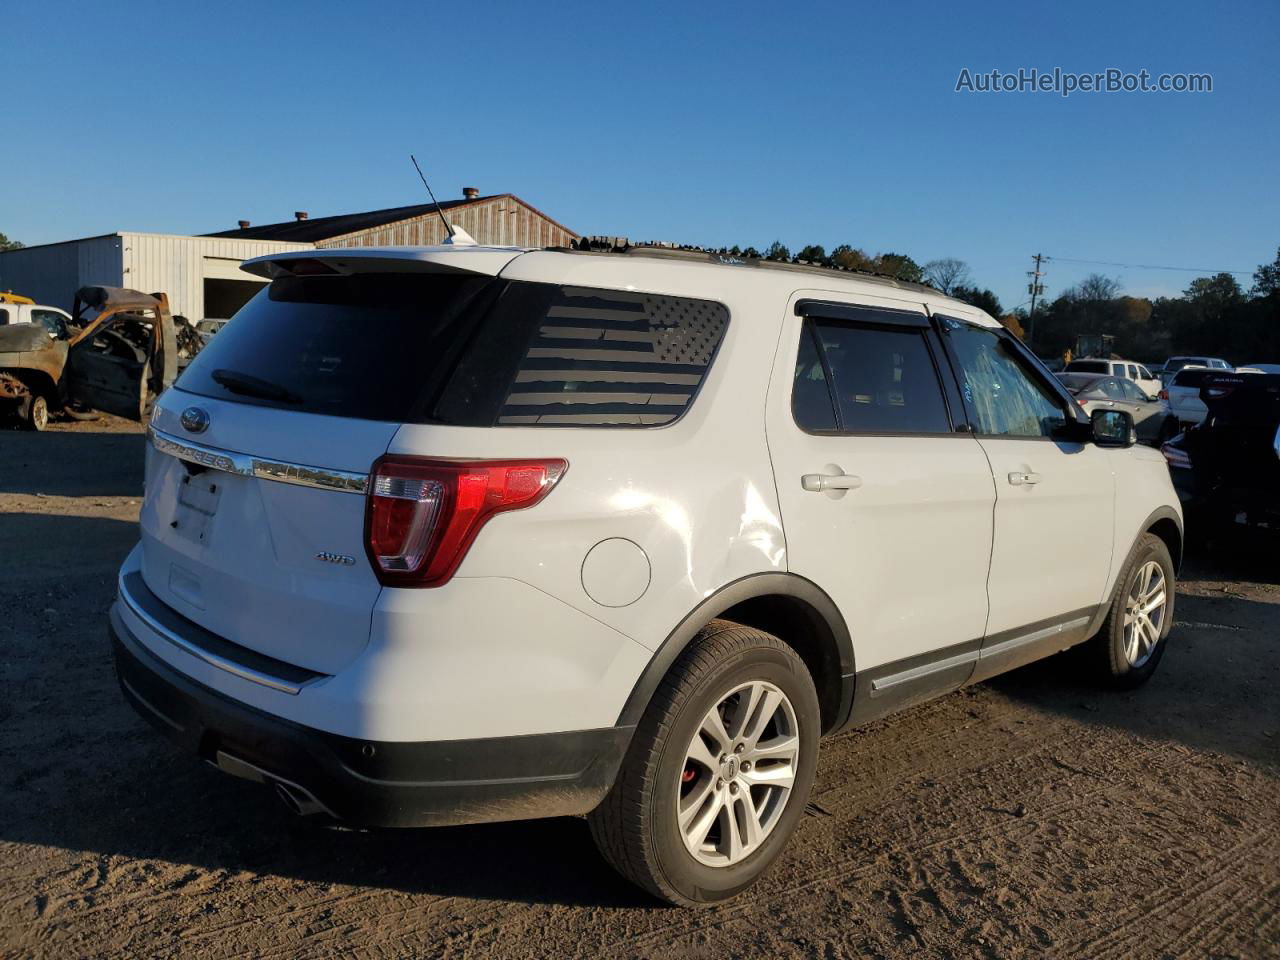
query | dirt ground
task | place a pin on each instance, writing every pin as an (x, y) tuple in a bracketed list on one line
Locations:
[(1033, 815)]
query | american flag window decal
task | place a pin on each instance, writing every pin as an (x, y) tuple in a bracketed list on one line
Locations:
[(603, 357)]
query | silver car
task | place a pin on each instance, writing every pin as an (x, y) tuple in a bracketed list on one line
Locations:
[(1153, 418)]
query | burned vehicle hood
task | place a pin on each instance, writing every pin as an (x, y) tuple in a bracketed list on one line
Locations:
[(28, 346)]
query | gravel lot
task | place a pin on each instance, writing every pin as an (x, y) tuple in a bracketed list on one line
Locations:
[(1028, 816)]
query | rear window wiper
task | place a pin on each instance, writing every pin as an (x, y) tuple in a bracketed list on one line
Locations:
[(251, 386)]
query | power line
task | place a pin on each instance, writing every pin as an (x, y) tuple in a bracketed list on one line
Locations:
[(1149, 266)]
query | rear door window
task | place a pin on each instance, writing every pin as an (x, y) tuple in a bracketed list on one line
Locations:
[(1111, 388), (878, 379)]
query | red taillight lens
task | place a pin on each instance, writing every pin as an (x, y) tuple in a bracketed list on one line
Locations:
[(423, 515), (1164, 394)]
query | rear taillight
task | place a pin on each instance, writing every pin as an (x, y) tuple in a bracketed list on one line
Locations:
[(423, 515), (1164, 394)]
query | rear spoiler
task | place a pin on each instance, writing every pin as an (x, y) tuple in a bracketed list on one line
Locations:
[(344, 261)]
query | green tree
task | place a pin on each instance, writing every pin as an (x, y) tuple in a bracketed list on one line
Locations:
[(850, 258), (1266, 280), (814, 253), (982, 299), (777, 251), (901, 266), (7, 244)]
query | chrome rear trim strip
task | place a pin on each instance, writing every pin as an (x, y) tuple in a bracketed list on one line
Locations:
[(228, 461), (222, 663)]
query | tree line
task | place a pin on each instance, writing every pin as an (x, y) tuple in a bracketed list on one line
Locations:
[(1214, 315)]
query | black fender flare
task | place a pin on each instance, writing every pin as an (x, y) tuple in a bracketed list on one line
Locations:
[(731, 594), (1167, 513)]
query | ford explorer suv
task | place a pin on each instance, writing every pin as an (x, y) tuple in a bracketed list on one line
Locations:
[(456, 534)]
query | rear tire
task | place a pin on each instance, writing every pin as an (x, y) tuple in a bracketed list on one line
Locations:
[(1128, 648), (764, 753)]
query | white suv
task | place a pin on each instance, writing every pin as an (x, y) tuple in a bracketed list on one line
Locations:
[(444, 535)]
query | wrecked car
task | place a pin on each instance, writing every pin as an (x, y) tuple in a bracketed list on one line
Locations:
[(116, 354)]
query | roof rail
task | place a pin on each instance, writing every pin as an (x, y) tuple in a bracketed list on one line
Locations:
[(621, 245)]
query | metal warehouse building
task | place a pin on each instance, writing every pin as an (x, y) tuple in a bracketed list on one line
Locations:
[(202, 275)]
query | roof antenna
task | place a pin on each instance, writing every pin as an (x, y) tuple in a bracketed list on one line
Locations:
[(448, 229)]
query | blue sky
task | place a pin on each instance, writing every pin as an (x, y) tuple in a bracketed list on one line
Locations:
[(700, 123)]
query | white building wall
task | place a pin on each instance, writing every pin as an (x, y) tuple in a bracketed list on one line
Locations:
[(52, 273), (148, 262), (177, 266)]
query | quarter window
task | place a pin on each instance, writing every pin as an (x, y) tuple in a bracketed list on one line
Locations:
[(873, 379), (1005, 398)]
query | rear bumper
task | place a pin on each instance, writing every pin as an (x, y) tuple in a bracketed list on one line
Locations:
[(372, 783)]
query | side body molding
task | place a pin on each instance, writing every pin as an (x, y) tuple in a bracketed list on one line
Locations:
[(824, 615)]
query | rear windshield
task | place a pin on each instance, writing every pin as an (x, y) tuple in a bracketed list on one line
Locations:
[(1077, 381), (1088, 366), (461, 350)]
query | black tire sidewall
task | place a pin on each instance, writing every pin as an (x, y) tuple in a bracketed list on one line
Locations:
[(695, 880)]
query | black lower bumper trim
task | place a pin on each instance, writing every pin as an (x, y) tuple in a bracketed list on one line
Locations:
[(373, 783)]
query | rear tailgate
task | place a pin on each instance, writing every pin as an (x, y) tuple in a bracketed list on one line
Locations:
[(271, 564), (253, 521)]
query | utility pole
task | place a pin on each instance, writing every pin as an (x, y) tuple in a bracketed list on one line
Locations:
[(1036, 289)]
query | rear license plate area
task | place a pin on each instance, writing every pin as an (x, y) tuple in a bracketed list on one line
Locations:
[(198, 496)]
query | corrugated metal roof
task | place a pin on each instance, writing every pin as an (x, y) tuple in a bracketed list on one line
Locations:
[(317, 229)]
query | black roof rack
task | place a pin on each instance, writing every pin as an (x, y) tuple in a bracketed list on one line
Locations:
[(621, 245)]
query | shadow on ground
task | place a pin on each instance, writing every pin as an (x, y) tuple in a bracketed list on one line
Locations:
[(72, 463)]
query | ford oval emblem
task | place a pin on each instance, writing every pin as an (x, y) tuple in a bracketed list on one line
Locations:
[(195, 420)]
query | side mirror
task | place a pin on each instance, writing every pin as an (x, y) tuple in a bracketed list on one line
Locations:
[(1113, 428)]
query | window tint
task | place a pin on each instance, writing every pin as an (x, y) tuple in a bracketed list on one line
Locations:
[(883, 380), (4, 316), (463, 350), (811, 403), (1006, 400), (1144, 374)]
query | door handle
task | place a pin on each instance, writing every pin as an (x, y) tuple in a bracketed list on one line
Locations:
[(821, 482), (1018, 478)]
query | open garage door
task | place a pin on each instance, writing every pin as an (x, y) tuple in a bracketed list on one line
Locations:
[(227, 288)]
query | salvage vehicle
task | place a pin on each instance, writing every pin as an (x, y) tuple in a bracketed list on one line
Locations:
[(455, 534), (116, 353), (1182, 394), (1153, 418), (1226, 469)]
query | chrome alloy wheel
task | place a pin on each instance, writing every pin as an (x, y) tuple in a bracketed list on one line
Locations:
[(738, 773), (1144, 613)]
